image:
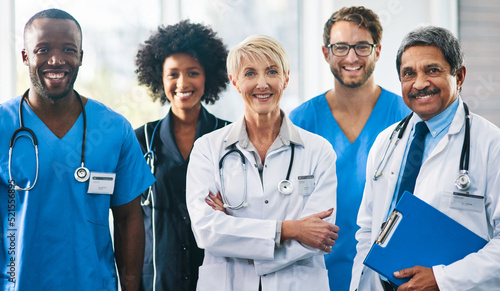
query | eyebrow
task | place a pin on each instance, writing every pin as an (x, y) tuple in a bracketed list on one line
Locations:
[(359, 42)]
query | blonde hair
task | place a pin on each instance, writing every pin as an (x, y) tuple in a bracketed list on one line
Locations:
[(257, 48)]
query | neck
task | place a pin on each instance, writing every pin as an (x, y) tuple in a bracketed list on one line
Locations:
[(186, 118), (58, 115), (263, 128), (46, 108), (354, 99)]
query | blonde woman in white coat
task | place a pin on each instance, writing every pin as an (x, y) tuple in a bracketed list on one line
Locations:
[(258, 231)]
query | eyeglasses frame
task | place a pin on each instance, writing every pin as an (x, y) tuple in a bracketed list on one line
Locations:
[(351, 46)]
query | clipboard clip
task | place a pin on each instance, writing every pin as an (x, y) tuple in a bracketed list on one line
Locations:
[(387, 227)]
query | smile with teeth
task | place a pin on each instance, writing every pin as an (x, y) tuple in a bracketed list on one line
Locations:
[(423, 94), (182, 95), (423, 97), (352, 68), (262, 96), (55, 75)]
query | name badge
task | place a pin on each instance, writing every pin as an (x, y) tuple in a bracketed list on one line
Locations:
[(101, 183), (306, 185), (466, 201)]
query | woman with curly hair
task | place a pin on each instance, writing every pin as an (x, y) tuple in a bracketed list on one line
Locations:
[(183, 64)]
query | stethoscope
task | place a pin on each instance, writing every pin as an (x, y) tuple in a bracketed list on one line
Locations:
[(82, 174), (151, 156), (463, 181), (284, 186), (151, 161)]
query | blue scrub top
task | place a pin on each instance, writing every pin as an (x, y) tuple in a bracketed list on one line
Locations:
[(56, 236), (315, 116)]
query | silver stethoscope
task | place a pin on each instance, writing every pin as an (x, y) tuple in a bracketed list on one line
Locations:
[(82, 174), (151, 156), (284, 186), (463, 181)]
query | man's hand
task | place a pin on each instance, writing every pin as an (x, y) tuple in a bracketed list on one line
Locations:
[(422, 278), (312, 231)]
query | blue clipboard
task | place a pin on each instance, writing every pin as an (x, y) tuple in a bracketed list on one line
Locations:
[(418, 234)]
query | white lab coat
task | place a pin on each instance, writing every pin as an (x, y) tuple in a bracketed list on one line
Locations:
[(240, 246), (435, 183)]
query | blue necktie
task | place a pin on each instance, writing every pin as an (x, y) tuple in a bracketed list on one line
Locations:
[(413, 159)]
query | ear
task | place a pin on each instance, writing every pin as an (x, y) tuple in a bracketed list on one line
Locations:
[(325, 53), (233, 81), (461, 77), (24, 55), (81, 57), (287, 79), (378, 48)]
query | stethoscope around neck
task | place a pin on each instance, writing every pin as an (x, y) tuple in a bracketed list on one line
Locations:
[(82, 174), (462, 182), (284, 186)]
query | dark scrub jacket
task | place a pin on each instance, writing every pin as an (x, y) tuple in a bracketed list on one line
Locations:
[(177, 255)]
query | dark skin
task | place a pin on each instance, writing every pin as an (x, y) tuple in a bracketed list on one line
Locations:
[(53, 54), (423, 69), (129, 243)]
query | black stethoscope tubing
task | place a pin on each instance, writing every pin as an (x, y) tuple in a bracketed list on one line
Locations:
[(81, 173), (463, 181), (242, 157), (285, 186)]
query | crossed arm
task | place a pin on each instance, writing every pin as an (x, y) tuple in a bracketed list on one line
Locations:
[(312, 230)]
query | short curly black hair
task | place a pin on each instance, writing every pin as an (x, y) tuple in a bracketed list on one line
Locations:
[(195, 39)]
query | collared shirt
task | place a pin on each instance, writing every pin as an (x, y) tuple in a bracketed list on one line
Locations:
[(288, 134), (438, 128)]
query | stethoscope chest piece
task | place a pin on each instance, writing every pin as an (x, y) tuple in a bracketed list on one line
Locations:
[(82, 174), (285, 187), (463, 182)]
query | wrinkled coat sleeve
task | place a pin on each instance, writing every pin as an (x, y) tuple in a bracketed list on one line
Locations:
[(228, 236), (322, 198), (481, 270)]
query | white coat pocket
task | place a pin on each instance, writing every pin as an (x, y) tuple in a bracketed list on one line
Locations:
[(212, 277)]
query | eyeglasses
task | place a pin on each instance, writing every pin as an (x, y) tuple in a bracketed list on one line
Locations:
[(342, 50)]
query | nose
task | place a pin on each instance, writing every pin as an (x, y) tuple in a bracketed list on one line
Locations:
[(56, 59), (351, 55), (262, 83), (182, 81), (421, 82)]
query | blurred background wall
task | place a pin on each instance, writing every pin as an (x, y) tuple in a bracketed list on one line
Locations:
[(114, 29)]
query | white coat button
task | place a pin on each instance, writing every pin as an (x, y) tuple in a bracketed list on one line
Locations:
[(267, 201)]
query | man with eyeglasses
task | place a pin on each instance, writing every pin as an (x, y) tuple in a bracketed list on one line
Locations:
[(350, 116)]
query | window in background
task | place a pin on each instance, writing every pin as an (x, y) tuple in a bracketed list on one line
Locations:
[(234, 20), (112, 32)]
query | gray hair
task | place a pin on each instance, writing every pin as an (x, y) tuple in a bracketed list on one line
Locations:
[(438, 37)]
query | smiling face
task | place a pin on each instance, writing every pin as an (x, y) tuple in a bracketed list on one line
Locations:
[(261, 83), (428, 87), (52, 51), (351, 71), (183, 82)]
